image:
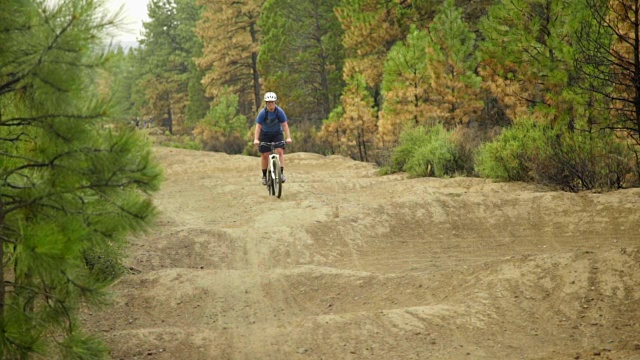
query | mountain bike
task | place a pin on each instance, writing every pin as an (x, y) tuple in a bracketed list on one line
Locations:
[(274, 174)]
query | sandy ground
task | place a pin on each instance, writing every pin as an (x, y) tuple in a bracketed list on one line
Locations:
[(352, 265)]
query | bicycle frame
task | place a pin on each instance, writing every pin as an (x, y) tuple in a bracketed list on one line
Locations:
[(274, 175)]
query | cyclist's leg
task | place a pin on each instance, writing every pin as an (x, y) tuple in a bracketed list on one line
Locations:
[(264, 163), (264, 155), (264, 160)]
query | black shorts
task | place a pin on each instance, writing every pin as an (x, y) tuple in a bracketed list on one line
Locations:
[(270, 137)]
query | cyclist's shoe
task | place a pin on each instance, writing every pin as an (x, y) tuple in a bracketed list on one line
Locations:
[(264, 180), (284, 178)]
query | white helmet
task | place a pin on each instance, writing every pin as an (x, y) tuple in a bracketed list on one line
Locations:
[(270, 96)]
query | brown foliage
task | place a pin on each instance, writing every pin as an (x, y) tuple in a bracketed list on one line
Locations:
[(353, 134), (166, 103), (368, 37), (230, 37)]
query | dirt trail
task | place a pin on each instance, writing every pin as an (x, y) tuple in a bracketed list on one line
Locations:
[(351, 265)]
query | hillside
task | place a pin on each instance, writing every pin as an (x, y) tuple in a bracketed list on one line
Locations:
[(352, 265)]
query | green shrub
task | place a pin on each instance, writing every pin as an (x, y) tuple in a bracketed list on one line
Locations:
[(424, 152), (571, 160), (230, 144), (179, 141), (583, 160), (466, 140), (507, 158)]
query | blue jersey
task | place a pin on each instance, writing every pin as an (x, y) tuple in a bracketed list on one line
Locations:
[(271, 121)]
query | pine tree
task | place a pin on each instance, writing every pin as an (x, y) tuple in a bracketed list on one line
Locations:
[(230, 35), (608, 60), (301, 56), (405, 88), (198, 103), (71, 188), (223, 128), (168, 48), (332, 133), (121, 77), (372, 27), (452, 63), (356, 128), (527, 58), (370, 30)]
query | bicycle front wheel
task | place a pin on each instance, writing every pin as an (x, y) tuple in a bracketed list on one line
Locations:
[(277, 178), (270, 183)]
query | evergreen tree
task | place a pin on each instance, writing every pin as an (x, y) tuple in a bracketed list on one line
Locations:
[(452, 63), (139, 71), (356, 128), (405, 88), (199, 103), (527, 59), (223, 128), (189, 14), (431, 77), (332, 133), (301, 55), (609, 63), (121, 77), (168, 48), (230, 35), (370, 30), (71, 189), (372, 27)]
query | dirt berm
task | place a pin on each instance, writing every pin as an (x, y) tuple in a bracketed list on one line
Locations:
[(352, 265)]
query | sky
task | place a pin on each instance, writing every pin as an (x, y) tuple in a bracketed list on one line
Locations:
[(134, 12)]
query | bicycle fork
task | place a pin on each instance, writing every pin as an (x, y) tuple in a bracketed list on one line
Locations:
[(273, 157)]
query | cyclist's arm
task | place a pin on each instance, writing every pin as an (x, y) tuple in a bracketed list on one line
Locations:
[(256, 136), (285, 127)]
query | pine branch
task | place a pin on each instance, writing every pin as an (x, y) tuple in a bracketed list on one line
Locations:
[(4, 239), (26, 121)]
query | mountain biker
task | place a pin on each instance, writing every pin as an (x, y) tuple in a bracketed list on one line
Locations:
[(270, 123)]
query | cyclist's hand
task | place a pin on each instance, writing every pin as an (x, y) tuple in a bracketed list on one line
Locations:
[(256, 142), (289, 141)]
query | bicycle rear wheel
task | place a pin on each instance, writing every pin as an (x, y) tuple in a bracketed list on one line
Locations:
[(277, 179)]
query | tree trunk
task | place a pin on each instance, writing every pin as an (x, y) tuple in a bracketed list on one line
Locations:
[(324, 77), (416, 104), (254, 67), (170, 120), (636, 69), (2, 287), (364, 145), (359, 142)]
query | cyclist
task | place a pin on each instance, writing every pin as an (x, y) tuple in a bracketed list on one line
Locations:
[(270, 123)]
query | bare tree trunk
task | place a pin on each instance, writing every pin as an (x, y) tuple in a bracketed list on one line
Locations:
[(254, 67), (324, 77), (636, 68), (170, 120), (2, 287), (364, 147), (359, 142), (416, 104)]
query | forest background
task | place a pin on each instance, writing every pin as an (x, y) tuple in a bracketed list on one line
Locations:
[(531, 90)]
